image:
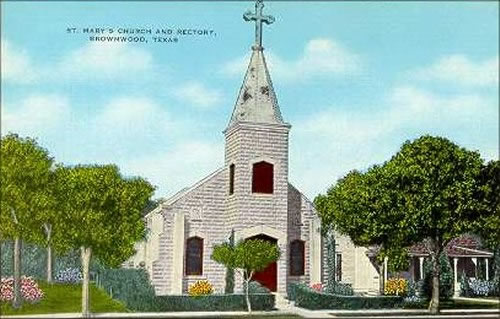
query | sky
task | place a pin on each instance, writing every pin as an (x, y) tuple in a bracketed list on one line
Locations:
[(354, 79)]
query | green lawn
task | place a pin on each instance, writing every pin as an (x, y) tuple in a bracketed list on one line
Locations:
[(467, 304), (65, 298)]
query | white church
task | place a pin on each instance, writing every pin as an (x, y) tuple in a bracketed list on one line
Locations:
[(250, 195)]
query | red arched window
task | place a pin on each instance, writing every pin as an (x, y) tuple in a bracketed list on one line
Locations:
[(297, 260), (194, 256), (263, 178)]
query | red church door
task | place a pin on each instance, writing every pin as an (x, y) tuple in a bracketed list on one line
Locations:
[(269, 276)]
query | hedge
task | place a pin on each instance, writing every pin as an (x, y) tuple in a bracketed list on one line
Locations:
[(130, 286), (310, 299), (230, 302), (133, 288)]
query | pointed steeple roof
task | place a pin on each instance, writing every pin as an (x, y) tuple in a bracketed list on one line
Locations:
[(256, 100)]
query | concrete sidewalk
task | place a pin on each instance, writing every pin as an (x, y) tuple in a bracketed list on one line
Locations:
[(351, 314)]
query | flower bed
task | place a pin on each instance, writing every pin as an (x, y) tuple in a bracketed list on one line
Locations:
[(69, 276), (396, 287), (29, 289), (478, 288), (308, 298)]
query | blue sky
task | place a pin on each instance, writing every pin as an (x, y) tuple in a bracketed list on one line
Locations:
[(355, 80)]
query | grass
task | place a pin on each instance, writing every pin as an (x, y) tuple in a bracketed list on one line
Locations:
[(467, 304), (65, 298)]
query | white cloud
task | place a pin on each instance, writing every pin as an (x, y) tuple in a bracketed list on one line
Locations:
[(16, 65), (198, 95), (342, 139), (320, 57), (36, 114), (129, 123), (459, 69), (109, 60), (182, 166), (93, 61)]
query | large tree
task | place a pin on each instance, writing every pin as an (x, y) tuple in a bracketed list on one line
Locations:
[(423, 193), (104, 215), (24, 177), (488, 221), (246, 257), (51, 221)]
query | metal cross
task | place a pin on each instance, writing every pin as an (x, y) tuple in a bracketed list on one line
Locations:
[(258, 18)]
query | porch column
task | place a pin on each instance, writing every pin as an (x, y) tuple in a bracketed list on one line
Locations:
[(178, 254), (456, 288), (386, 259), (421, 260), (486, 262), (315, 251), (474, 261)]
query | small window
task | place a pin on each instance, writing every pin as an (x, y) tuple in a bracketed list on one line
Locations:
[(297, 258), (338, 265), (231, 179), (194, 256), (262, 178)]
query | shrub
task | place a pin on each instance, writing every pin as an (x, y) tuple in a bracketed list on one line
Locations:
[(396, 287), (201, 288), (414, 302), (69, 275), (481, 288), (233, 302), (292, 290), (445, 278), (339, 288), (317, 286), (256, 288), (414, 288), (130, 286), (477, 287), (29, 289), (464, 286), (310, 299)]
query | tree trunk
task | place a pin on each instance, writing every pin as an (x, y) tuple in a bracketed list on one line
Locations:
[(16, 302), (434, 304), (86, 252), (49, 263), (48, 233), (247, 295)]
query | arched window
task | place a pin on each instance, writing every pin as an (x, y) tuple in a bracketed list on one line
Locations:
[(338, 264), (231, 179), (297, 259), (263, 178), (194, 256)]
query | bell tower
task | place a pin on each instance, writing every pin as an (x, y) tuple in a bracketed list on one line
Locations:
[(256, 149)]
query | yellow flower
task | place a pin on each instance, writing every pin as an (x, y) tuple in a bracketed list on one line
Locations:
[(200, 288)]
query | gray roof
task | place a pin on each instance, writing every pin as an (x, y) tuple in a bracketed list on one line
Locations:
[(256, 100)]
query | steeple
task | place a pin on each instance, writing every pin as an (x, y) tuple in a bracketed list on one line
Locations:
[(256, 100)]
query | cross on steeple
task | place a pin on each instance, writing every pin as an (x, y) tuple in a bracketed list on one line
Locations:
[(259, 19)]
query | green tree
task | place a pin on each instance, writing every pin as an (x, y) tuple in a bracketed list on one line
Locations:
[(246, 257), (423, 193), (488, 223), (24, 177), (52, 219), (104, 215)]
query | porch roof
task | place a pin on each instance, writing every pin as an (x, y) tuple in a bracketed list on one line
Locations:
[(464, 246)]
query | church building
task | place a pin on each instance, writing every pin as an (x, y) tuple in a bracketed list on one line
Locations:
[(250, 196)]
